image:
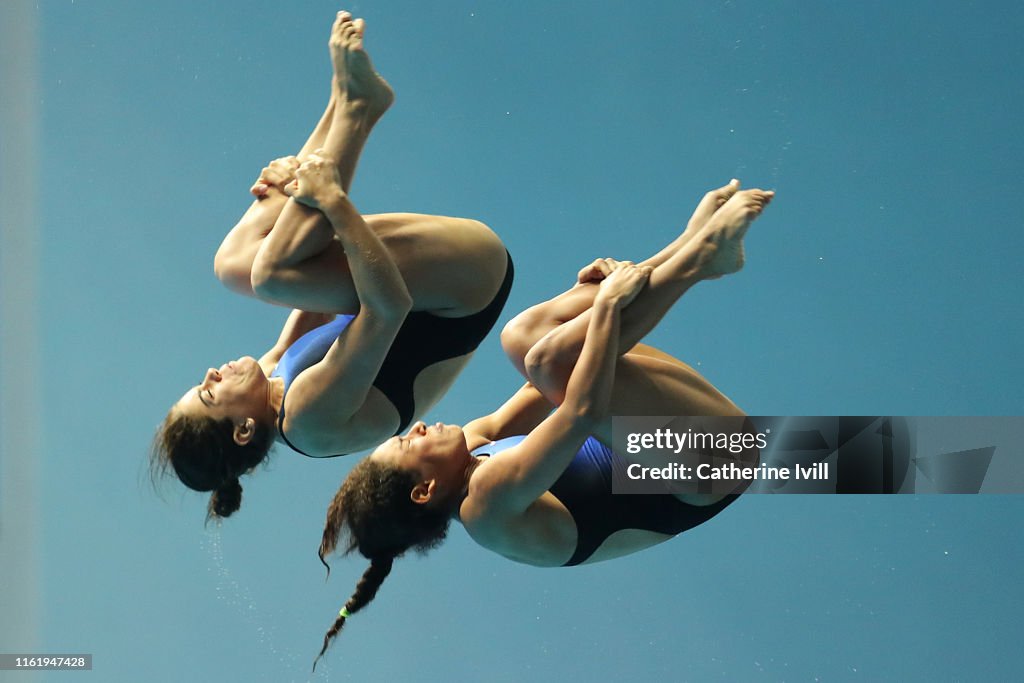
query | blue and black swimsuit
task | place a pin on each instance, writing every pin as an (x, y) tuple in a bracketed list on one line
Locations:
[(585, 489), (423, 340)]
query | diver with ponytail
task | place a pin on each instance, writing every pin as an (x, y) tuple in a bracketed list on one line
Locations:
[(388, 308)]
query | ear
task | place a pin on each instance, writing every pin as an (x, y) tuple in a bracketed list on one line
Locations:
[(244, 431), (423, 492)]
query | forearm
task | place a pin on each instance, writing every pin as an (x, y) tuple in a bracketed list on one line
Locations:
[(378, 282), (517, 479), (519, 415), (298, 324), (531, 410)]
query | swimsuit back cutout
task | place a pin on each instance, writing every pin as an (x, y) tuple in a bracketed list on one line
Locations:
[(424, 339), (585, 489)]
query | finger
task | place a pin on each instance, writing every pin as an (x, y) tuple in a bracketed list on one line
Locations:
[(283, 166), (291, 188), (588, 274), (595, 269), (259, 189)]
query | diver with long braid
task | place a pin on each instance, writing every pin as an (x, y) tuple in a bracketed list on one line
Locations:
[(532, 480)]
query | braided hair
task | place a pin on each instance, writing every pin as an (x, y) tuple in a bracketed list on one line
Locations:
[(375, 506)]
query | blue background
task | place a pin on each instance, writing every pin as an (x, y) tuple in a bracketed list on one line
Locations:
[(884, 279)]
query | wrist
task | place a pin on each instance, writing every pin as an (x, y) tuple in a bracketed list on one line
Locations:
[(607, 303), (331, 199)]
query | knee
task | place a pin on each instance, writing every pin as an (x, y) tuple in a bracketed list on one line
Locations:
[(264, 278), (518, 337), (547, 368), (234, 274)]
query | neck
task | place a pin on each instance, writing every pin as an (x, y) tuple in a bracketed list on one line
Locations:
[(470, 468), (275, 395)]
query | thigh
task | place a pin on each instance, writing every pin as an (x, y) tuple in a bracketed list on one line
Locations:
[(452, 266), (649, 385)]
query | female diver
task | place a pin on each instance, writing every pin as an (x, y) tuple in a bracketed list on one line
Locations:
[(419, 294), (535, 485)]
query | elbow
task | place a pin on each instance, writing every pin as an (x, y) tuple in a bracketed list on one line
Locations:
[(583, 417), (588, 414), (403, 303), (386, 306), (393, 310)]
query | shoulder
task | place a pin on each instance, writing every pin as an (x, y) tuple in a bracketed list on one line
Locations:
[(543, 535)]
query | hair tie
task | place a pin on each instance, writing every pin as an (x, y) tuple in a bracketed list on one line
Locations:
[(344, 613)]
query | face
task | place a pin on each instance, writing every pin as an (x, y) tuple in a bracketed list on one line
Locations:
[(437, 452), (236, 390)]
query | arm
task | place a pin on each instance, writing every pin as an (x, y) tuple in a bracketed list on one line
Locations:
[(378, 282), (297, 324), (519, 415), (516, 480), (327, 395)]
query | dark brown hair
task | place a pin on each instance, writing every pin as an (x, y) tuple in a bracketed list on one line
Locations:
[(203, 453), (375, 505)]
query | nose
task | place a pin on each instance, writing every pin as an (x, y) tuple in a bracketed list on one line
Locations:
[(213, 374), (419, 428)]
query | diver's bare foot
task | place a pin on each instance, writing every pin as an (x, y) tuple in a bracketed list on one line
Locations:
[(722, 237), (355, 82), (709, 203)]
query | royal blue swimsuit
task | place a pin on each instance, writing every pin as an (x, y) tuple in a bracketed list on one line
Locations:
[(423, 340), (585, 489)]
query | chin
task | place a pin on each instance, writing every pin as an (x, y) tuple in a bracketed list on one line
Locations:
[(459, 444)]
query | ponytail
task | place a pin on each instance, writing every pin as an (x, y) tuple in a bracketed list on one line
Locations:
[(225, 500)]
